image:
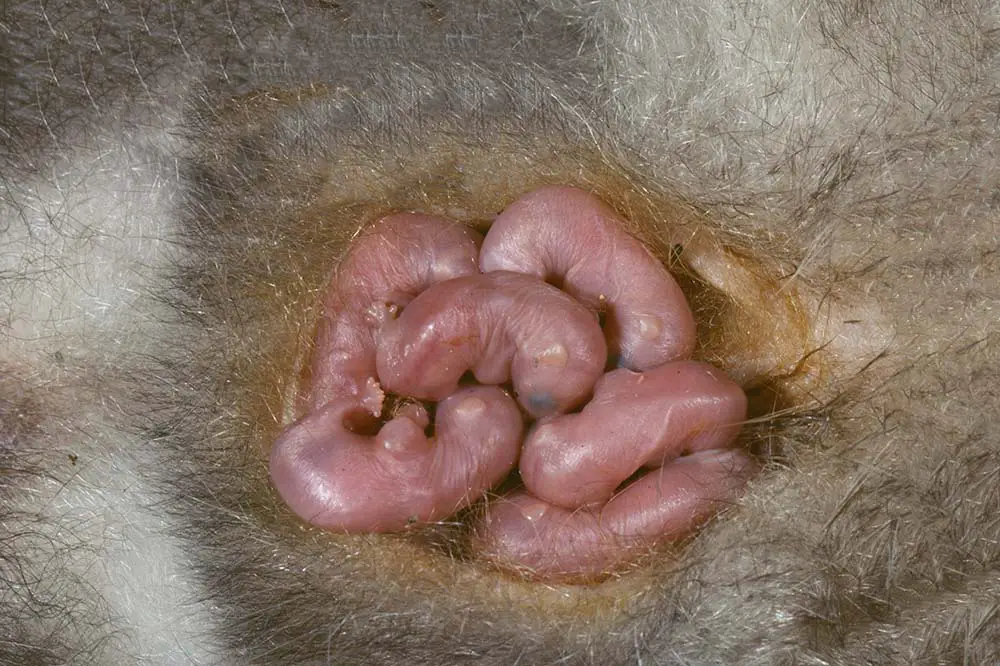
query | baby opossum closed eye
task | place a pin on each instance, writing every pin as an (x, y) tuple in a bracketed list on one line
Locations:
[(499, 333)]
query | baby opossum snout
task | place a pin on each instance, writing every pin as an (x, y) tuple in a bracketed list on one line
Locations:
[(421, 302)]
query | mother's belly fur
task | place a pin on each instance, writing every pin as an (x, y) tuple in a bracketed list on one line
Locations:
[(177, 187)]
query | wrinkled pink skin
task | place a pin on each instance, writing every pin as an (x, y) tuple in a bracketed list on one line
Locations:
[(547, 542), (341, 480), (574, 240), (499, 326), (570, 521), (409, 312), (399, 257), (646, 420)]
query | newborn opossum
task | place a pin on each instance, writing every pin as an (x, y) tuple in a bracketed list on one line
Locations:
[(183, 183)]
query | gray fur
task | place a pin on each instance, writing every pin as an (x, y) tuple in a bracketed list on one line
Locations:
[(163, 168)]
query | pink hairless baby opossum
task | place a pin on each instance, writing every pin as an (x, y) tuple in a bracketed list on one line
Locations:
[(417, 307)]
